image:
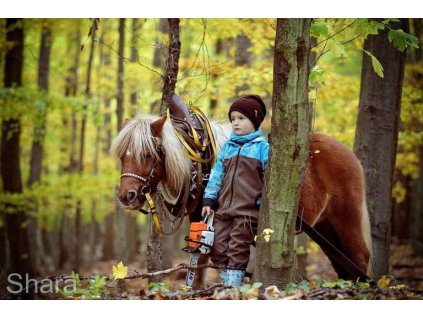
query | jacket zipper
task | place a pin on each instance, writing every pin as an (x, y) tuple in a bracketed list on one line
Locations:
[(233, 175)]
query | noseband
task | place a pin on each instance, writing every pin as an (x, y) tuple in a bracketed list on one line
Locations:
[(143, 189)]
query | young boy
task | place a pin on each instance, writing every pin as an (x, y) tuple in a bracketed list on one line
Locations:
[(233, 192)]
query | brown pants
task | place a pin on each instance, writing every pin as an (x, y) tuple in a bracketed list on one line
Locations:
[(232, 240)]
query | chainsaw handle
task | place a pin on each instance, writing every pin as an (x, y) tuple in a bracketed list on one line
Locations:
[(209, 220)]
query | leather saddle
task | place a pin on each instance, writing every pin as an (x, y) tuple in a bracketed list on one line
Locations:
[(192, 127)]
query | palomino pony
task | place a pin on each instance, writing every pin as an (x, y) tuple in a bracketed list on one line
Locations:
[(332, 195)]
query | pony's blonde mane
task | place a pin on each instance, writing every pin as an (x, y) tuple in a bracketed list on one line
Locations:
[(137, 138)]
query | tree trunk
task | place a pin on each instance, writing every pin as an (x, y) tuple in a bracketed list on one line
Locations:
[(136, 26), (402, 212), (121, 214), (155, 242), (417, 233), (159, 58), (159, 53), (71, 88), (78, 218), (242, 57), (19, 251), (172, 64), (37, 149), (109, 237), (119, 107), (171, 77), (215, 88), (290, 134), (3, 248), (377, 135), (417, 225)]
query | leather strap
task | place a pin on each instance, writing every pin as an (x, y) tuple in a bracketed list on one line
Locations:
[(336, 255)]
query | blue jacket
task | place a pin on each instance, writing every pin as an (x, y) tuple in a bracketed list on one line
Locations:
[(236, 181)]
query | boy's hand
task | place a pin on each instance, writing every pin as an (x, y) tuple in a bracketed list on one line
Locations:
[(206, 211)]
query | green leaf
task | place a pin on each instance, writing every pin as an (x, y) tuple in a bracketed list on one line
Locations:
[(244, 288), (316, 76), (401, 40), (319, 28), (257, 284), (377, 67)]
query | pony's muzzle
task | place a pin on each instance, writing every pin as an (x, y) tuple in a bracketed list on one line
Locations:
[(130, 197)]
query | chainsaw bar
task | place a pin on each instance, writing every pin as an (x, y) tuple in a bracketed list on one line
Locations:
[(191, 272)]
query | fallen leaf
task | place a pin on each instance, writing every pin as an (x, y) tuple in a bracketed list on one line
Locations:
[(120, 271), (384, 281)]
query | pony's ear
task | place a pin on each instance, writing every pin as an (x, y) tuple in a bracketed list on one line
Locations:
[(157, 126), (125, 122)]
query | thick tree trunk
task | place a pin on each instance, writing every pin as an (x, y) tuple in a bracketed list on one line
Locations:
[(377, 135), (19, 251), (290, 134)]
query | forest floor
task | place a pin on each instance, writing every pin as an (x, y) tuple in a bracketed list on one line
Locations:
[(406, 282)]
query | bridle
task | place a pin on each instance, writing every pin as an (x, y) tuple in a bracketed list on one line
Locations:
[(144, 190)]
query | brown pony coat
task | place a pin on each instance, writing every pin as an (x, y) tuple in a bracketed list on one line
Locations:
[(333, 199)]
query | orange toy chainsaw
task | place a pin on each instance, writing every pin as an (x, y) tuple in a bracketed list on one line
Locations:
[(200, 241)]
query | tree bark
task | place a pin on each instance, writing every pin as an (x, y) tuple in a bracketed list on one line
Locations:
[(78, 218), (172, 64), (215, 88), (290, 134), (417, 233), (37, 149), (119, 107), (19, 251), (136, 26), (376, 137), (155, 242), (417, 217), (71, 88)]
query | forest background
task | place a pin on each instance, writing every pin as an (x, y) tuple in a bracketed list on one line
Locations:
[(93, 66)]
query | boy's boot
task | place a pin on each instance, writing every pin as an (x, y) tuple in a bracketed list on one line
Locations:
[(223, 274), (235, 277)]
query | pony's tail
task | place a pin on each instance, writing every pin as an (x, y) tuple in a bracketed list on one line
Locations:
[(367, 234)]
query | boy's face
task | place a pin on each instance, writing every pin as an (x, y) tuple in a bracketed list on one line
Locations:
[(241, 124)]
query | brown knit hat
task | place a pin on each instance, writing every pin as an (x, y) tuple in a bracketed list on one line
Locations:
[(252, 106)]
